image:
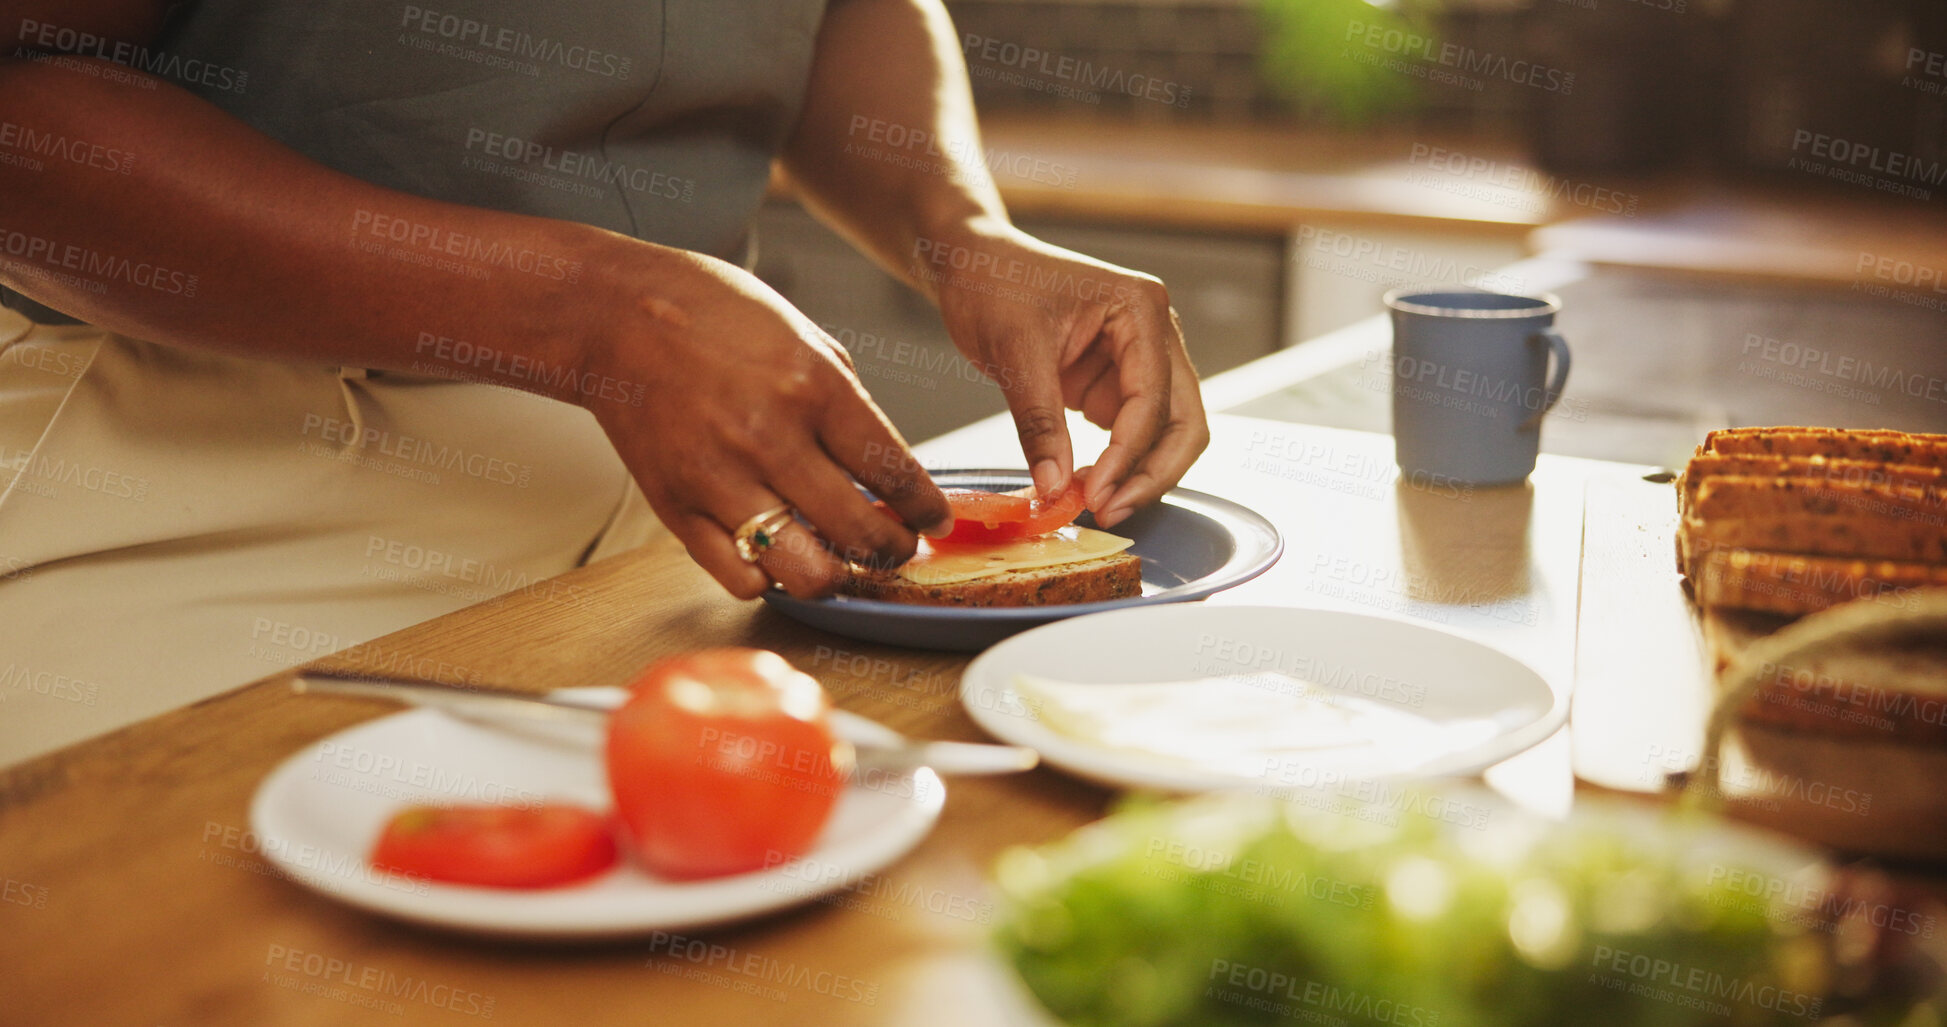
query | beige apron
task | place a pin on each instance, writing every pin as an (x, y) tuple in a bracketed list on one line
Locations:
[(174, 523)]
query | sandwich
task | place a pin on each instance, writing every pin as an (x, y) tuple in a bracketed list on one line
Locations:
[(1009, 549)]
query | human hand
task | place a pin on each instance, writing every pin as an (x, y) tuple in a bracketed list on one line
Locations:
[(1058, 330), (745, 405)]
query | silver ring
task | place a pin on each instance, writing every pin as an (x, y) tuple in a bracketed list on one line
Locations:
[(760, 532)]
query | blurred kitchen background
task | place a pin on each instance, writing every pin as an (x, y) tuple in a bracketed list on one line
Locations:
[(1739, 201)]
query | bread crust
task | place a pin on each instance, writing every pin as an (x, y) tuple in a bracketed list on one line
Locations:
[(1117, 576), (1883, 445)]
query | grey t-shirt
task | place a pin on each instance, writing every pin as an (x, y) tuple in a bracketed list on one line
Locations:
[(653, 118)]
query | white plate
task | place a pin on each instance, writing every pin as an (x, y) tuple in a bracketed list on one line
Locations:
[(1460, 706), (318, 814)]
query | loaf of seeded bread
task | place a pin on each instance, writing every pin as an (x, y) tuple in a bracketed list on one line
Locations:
[(1118, 576), (1796, 543), (1794, 519)]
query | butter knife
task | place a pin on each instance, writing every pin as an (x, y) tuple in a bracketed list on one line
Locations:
[(490, 706)]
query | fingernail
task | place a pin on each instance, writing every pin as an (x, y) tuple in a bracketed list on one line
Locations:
[(1047, 476), (938, 530)]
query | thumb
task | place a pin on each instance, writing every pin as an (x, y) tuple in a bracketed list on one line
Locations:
[(1033, 394)]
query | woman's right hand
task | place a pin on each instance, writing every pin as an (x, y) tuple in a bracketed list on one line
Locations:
[(731, 402), (744, 403)]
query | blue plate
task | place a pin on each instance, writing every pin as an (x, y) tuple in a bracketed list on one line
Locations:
[(1192, 545)]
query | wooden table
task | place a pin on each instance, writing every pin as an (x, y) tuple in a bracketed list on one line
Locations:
[(133, 892)]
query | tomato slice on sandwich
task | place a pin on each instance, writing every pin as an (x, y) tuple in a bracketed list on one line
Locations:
[(987, 517)]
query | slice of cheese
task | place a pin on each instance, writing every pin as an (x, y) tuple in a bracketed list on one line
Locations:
[(950, 563)]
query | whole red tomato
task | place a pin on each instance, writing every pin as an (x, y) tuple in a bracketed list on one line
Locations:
[(723, 761)]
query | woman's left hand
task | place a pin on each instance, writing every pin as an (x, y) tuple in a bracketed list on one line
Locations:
[(1058, 330)]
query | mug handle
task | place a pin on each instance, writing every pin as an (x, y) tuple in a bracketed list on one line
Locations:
[(1553, 393)]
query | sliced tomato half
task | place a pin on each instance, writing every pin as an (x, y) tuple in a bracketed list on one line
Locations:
[(1045, 515), (497, 846), (987, 517)]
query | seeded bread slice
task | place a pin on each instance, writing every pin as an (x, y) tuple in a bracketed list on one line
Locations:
[(1117, 576), (1792, 584), (1883, 445), (1804, 515), (1840, 471)]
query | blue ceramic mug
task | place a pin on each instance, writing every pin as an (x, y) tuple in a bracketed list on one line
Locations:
[(1471, 381)]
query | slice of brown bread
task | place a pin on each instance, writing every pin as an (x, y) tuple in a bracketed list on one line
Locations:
[(1878, 444), (1906, 477), (1815, 516), (1791, 584), (1118, 576)]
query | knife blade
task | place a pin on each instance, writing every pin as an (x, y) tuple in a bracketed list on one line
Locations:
[(489, 705)]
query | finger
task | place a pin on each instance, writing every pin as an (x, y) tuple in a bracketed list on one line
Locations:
[(859, 439), (1101, 402), (1144, 377), (817, 337), (858, 531), (1034, 399), (1185, 439), (838, 350), (710, 546), (1158, 473), (797, 559), (1078, 378)]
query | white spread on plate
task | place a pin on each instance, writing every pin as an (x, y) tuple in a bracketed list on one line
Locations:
[(1234, 724), (955, 562)]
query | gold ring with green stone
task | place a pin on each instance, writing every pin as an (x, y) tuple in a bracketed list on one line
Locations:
[(761, 532)]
